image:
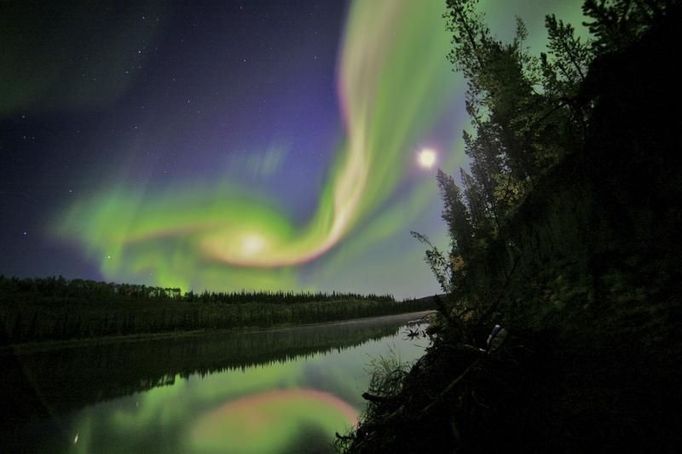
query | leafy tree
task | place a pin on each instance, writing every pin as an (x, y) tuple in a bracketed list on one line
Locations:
[(523, 108), (526, 116), (565, 65), (528, 113), (617, 23)]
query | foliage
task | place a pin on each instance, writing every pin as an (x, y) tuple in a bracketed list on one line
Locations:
[(565, 231), (529, 115), (387, 374), (618, 23)]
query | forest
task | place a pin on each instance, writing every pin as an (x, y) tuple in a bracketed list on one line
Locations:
[(557, 331), (54, 308)]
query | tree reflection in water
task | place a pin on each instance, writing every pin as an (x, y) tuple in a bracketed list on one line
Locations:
[(41, 388)]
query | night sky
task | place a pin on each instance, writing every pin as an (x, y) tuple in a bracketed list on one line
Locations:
[(231, 145)]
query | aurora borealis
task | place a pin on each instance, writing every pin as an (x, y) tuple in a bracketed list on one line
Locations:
[(218, 231), (252, 145), (263, 422), (294, 404)]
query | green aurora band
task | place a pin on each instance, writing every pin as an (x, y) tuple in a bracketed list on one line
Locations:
[(390, 86), (394, 85)]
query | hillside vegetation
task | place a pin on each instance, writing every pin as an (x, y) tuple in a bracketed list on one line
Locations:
[(565, 232)]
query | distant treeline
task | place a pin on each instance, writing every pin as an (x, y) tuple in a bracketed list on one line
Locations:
[(55, 308), (88, 290)]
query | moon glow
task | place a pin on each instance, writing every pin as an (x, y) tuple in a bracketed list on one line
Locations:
[(426, 158)]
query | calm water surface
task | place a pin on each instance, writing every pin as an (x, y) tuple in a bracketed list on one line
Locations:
[(273, 391)]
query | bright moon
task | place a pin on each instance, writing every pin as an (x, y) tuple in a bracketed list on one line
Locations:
[(426, 158)]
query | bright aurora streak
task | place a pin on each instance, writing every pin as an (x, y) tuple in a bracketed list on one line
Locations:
[(395, 88), (391, 91)]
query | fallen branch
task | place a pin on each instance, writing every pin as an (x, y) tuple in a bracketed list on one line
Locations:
[(374, 398)]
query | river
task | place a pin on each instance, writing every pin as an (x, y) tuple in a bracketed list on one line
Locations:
[(282, 390)]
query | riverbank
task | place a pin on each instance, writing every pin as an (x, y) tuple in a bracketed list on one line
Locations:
[(48, 346)]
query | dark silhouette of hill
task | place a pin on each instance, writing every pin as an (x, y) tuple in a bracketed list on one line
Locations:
[(577, 258)]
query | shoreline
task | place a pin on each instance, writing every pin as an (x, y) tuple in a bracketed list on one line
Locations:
[(28, 348)]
